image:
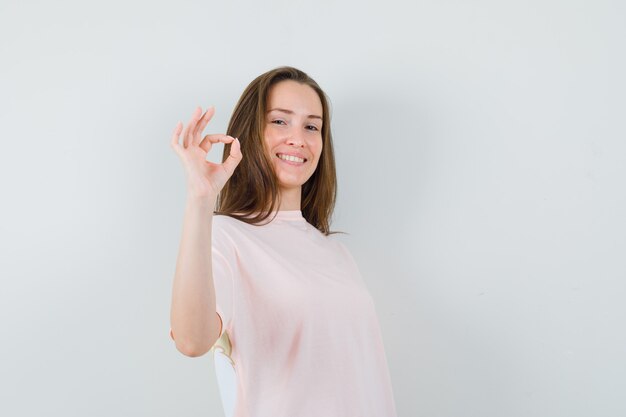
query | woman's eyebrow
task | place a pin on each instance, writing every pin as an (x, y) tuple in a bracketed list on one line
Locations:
[(310, 116)]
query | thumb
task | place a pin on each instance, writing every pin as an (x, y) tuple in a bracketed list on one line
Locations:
[(234, 157)]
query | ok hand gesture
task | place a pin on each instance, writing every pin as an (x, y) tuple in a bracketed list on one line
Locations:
[(205, 179)]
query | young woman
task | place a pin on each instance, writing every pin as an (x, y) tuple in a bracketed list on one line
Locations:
[(258, 265)]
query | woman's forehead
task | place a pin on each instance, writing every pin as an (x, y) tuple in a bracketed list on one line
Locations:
[(291, 96)]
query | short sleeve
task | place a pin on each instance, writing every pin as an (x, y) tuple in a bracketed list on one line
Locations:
[(350, 258), (223, 284)]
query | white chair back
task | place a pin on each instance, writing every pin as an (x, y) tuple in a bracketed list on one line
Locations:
[(225, 373)]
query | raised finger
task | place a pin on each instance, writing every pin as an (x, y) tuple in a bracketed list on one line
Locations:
[(176, 136), (191, 126), (202, 124)]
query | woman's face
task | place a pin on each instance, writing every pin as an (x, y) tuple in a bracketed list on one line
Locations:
[(293, 130)]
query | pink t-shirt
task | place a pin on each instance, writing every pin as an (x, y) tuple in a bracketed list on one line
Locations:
[(303, 328)]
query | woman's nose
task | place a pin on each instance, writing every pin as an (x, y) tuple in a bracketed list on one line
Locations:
[(295, 138)]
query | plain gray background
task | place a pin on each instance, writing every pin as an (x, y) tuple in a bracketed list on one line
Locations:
[(481, 159)]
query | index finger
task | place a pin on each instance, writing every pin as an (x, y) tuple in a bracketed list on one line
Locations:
[(214, 138), (202, 124)]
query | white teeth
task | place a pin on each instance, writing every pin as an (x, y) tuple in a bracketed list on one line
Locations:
[(290, 158)]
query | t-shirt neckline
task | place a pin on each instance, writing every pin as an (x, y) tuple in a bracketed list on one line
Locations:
[(289, 215)]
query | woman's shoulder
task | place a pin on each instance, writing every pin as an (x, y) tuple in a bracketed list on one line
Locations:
[(224, 228), (221, 219), (224, 220), (228, 228), (338, 242)]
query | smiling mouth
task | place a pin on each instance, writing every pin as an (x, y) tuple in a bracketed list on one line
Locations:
[(290, 158)]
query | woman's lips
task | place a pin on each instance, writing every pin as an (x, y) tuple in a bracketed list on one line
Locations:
[(295, 163)]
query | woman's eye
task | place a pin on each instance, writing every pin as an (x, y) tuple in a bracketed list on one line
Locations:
[(278, 122), (311, 127)]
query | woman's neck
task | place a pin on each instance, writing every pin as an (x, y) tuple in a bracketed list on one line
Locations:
[(290, 198)]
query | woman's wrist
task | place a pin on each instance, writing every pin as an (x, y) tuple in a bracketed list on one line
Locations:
[(202, 201)]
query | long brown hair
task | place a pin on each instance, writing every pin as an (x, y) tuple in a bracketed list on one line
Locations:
[(252, 192)]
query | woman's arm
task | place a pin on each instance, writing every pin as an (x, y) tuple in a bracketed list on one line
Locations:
[(194, 322), (195, 325)]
